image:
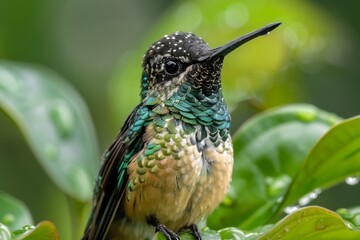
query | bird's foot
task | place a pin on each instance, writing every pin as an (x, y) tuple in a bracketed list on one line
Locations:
[(193, 229), (169, 235)]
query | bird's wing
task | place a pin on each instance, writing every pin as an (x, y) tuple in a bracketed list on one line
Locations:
[(113, 176)]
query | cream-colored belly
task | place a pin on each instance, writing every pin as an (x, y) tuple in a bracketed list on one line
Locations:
[(180, 188)]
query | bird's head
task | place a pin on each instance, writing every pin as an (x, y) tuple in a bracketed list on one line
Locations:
[(185, 58)]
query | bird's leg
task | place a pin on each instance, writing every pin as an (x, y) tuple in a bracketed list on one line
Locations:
[(193, 229), (169, 235)]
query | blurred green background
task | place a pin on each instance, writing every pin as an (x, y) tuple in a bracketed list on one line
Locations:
[(97, 46)]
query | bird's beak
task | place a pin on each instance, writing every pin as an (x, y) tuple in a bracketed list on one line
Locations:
[(223, 50)]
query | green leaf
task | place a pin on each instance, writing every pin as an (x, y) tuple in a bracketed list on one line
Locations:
[(222, 234), (43, 231), (308, 223), (184, 236), (244, 109), (21, 231), (268, 149), (55, 122), (335, 157), (312, 223), (13, 213)]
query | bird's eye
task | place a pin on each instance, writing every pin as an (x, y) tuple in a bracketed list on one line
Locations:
[(172, 67)]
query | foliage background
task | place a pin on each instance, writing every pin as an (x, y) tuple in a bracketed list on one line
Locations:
[(84, 42)]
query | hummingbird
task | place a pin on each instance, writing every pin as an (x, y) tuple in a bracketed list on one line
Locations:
[(170, 165)]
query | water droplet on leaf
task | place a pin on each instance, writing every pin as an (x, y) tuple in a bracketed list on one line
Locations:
[(352, 180), (291, 209), (63, 118), (320, 225), (309, 197), (51, 152)]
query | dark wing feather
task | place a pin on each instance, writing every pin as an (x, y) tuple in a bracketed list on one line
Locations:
[(113, 176)]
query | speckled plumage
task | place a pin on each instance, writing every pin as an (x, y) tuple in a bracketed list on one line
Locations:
[(171, 163)]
